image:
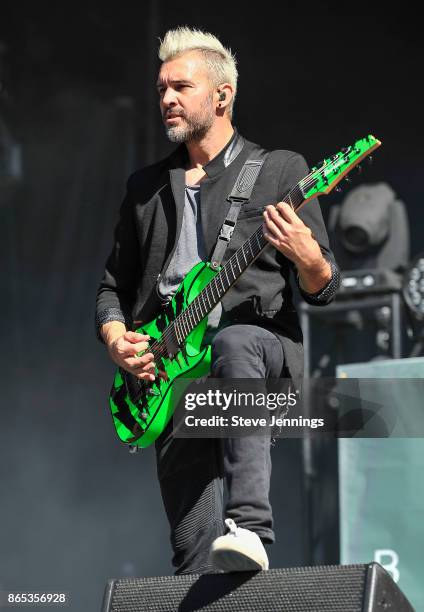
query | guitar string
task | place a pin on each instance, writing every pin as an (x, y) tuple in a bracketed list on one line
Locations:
[(159, 346)]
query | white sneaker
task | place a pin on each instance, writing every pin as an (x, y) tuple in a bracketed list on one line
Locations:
[(240, 550)]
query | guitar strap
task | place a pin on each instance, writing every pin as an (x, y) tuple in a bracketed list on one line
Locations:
[(239, 196)]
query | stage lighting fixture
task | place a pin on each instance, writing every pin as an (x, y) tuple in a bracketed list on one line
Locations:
[(413, 287), (369, 235)]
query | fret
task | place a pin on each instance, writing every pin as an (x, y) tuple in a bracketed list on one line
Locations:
[(194, 316), (198, 311), (203, 295), (211, 286), (192, 319), (251, 250), (290, 200), (228, 280), (181, 326), (238, 263), (177, 332), (184, 323), (214, 299), (244, 254), (259, 244), (207, 296), (181, 330), (194, 313), (222, 285), (232, 271), (187, 321), (220, 289), (201, 304), (195, 304)]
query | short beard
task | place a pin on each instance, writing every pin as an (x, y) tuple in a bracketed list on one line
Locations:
[(196, 127)]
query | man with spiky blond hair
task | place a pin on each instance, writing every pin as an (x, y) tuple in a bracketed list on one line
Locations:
[(169, 221)]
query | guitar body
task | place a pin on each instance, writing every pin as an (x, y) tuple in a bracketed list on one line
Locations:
[(141, 410)]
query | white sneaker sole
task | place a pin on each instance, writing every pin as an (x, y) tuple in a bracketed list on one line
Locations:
[(230, 560), (230, 555)]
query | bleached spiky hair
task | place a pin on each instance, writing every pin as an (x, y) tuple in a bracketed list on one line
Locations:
[(220, 61)]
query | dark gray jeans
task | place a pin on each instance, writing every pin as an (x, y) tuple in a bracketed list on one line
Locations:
[(192, 471)]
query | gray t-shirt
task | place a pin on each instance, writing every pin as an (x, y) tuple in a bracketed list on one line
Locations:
[(189, 251)]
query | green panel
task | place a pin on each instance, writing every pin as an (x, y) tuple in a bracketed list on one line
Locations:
[(381, 490)]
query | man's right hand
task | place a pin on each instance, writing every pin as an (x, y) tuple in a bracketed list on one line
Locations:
[(129, 351)]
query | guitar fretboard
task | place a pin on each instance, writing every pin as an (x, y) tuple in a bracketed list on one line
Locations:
[(215, 290)]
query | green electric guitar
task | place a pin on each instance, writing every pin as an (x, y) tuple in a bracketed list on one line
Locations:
[(142, 409)]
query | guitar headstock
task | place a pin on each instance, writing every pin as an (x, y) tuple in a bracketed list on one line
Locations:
[(324, 177)]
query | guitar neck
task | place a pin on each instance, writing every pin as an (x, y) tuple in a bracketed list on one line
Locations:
[(229, 273), (320, 181)]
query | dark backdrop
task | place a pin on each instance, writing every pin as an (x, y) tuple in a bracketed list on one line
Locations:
[(78, 113)]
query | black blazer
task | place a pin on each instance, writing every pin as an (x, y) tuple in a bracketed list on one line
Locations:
[(150, 221)]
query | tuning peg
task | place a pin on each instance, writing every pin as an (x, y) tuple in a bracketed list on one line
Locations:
[(370, 160), (347, 179), (321, 163), (359, 168), (338, 189)]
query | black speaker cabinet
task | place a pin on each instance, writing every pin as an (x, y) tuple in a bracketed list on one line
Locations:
[(344, 588)]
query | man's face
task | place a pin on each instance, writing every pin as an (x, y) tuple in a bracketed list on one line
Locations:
[(186, 98)]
